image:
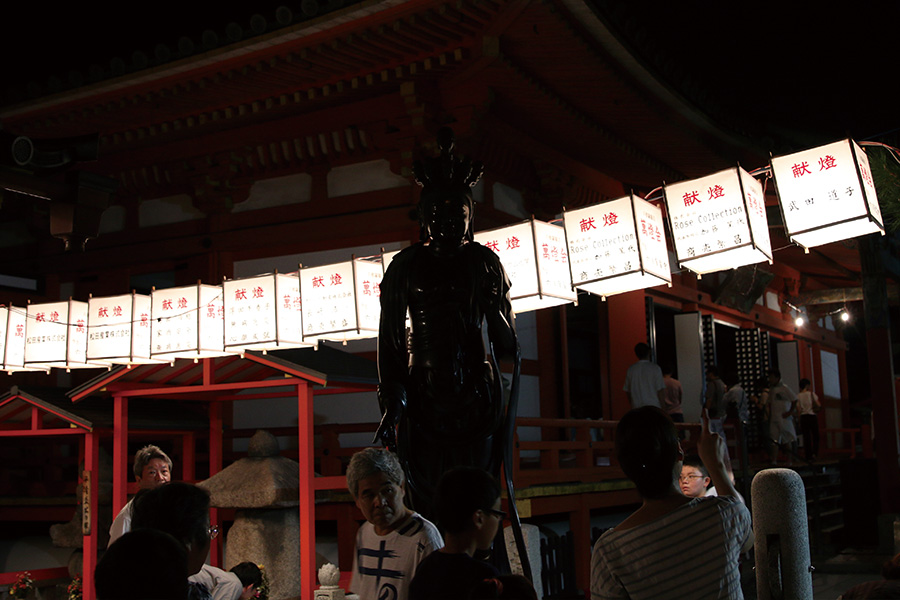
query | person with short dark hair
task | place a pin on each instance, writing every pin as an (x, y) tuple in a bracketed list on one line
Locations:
[(152, 468), (808, 405), (394, 540), (181, 510), (646, 555), (694, 479), (467, 505), (250, 576), (644, 383), (143, 565)]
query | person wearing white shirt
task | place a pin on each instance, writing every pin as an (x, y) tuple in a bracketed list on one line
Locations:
[(152, 468)]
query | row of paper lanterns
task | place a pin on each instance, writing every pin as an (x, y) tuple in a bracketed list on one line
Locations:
[(341, 302), (716, 222)]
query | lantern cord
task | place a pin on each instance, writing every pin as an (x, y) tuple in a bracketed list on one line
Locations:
[(24, 311), (894, 152)]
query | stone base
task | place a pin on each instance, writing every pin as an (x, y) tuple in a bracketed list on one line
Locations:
[(329, 593)]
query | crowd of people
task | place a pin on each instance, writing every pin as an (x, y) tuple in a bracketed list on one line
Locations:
[(164, 531), (690, 513)]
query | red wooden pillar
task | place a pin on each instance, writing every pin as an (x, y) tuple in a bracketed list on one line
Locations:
[(627, 327), (307, 491), (120, 454), (215, 465), (580, 525), (89, 513)]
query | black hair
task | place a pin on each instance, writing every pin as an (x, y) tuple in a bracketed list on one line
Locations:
[(248, 573), (179, 509), (642, 350), (123, 568), (775, 372), (804, 382), (647, 448), (694, 461), (712, 370), (459, 493)]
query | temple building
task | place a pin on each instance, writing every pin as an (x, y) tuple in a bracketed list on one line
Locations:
[(285, 141)]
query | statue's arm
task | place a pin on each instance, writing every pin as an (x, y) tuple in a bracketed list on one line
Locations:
[(498, 311), (393, 360)]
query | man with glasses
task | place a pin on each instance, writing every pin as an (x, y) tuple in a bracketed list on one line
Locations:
[(181, 510), (394, 540)]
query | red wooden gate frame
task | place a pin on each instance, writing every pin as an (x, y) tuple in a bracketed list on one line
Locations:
[(188, 380), (13, 426)]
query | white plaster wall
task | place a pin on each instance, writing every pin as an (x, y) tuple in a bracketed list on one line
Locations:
[(32, 553), (789, 364), (112, 220), (831, 375), (277, 191), (526, 329), (165, 211), (288, 263), (363, 177), (510, 201), (689, 364)]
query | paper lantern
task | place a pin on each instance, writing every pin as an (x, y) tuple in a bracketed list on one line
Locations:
[(536, 260), (187, 322), (119, 330), (342, 301), (718, 222), (263, 313), (617, 246), (12, 340), (827, 194), (56, 335)]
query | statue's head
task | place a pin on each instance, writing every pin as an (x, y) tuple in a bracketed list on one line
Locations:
[(446, 207)]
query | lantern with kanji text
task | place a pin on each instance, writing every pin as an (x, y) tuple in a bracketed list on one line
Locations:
[(718, 222), (827, 194), (617, 246), (535, 257)]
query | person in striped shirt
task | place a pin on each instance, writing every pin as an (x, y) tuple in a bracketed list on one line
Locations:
[(672, 546)]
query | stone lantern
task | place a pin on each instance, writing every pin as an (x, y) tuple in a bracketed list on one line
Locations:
[(265, 488)]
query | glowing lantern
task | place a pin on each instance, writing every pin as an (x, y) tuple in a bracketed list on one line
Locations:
[(827, 194), (12, 340), (617, 246), (56, 335), (119, 329), (536, 260), (342, 301), (718, 222), (187, 322), (263, 313)]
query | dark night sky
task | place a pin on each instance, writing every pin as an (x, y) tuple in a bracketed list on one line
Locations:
[(825, 67), (830, 68)]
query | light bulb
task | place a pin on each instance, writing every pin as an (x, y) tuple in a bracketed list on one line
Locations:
[(799, 321), (845, 316)]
